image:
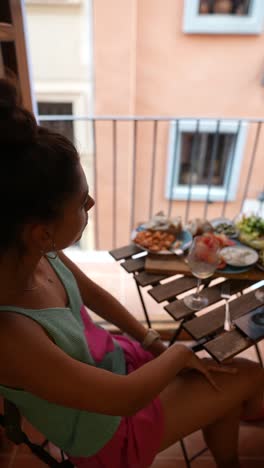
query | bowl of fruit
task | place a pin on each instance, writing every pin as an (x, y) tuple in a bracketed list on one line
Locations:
[(209, 239)]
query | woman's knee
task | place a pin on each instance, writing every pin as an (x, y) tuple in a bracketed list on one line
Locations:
[(249, 377), (251, 367), (242, 364), (250, 372)]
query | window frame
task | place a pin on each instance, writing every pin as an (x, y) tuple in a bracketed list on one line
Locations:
[(59, 92), (200, 192), (195, 23)]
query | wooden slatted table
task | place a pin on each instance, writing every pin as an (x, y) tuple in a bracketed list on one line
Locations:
[(206, 327)]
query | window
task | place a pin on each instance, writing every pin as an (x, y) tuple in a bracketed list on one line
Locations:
[(53, 2), (57, 108), (201, 166), (202, 156), (223, 16), (224, 7)]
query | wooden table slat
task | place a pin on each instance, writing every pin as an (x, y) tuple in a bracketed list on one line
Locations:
[(227, 345), (213, 321), (134, 264), (169, 290), (146, 279), (125, 252), (178, 310)]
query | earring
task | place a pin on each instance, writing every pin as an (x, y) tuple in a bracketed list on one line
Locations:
[(53, 249)]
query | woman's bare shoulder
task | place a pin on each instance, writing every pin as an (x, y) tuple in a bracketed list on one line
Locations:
[(16, 325), (18, 336)]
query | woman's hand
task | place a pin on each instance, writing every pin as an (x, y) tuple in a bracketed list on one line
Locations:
[(157, 348), (206, 366)]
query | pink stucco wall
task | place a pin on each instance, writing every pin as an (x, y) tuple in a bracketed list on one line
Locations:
[(146, 65)]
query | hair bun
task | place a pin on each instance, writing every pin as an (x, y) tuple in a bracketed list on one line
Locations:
[(17, 125)]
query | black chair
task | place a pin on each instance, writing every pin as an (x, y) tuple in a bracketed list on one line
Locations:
[(11, 421)]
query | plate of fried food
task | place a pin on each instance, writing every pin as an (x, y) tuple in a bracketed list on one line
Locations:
[(162, 235)]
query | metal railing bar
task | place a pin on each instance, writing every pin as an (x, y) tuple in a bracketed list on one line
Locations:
[(252, 160), (153, 164), (134, 166), (176, 136), (211, 167), (114, 182), (230, 168), (96, 235), (193, 154), (51, 118)]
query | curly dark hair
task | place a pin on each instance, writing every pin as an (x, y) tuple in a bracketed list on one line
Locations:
[(38, 169)]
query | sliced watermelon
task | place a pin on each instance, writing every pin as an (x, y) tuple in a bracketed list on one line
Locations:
[(224, 240), (222, 264)]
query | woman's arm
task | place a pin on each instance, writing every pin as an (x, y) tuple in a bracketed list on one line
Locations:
[(31, 361), (109, 308)]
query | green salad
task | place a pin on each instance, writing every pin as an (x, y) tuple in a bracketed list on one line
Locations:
[(251, 231), (261, 258), (252, 225)]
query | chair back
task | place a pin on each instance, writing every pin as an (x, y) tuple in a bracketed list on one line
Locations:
[(11, 421)]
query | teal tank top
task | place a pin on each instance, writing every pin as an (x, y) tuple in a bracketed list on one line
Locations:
[(77, 432)]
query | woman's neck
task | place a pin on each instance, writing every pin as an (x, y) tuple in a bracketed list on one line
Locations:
[(18, 274)]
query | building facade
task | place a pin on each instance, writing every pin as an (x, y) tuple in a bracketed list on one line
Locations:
[(59, 37), (199, 62)]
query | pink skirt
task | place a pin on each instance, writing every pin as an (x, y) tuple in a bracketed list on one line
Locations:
[(137, 439)]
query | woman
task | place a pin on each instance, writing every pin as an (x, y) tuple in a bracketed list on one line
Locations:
[(105, 400)]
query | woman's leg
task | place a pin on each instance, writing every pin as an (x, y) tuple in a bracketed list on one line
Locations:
[(190, 403), (221, 438)]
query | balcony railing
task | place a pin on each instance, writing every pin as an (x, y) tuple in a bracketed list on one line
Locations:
[(188, 167)]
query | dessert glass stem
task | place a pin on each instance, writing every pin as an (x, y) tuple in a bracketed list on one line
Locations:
[(199, 282)]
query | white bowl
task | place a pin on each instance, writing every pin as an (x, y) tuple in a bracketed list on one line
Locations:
[(239, 256)]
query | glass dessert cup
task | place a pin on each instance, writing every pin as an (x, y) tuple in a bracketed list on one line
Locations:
[(203, 259)]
